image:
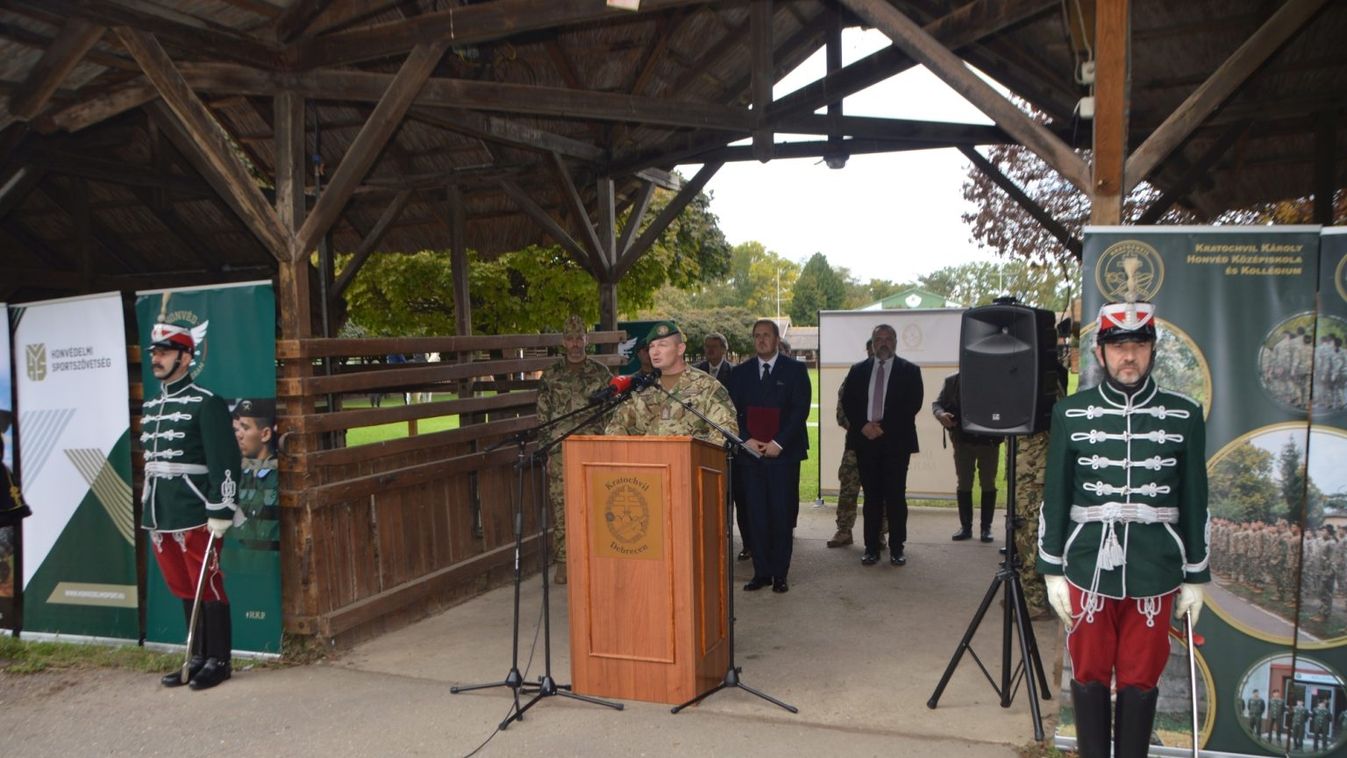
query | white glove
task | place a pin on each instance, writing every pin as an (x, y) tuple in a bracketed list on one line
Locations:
[(1191, 597), (218, 526), (1059, 597)]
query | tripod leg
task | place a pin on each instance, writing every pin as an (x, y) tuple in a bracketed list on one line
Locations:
[(967, 638), (1028, 627), (1030, 659), (768, 698)]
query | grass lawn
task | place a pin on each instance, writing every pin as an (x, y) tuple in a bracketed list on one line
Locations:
[(364, 435)]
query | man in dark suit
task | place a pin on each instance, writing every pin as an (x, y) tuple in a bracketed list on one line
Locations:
[(771, 394), (714, 347), (882, 397)]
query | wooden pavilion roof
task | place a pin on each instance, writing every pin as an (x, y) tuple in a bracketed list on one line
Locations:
[(515, 109)]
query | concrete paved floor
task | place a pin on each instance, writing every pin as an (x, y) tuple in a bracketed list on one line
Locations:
[(858, 650)]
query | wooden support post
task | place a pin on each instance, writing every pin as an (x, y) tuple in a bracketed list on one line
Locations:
[(1325, 164), (760, 33), (607, 234), (1112, 85), (458, 262), (607, 306)]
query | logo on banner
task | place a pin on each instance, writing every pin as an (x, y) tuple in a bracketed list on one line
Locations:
[(912, 337), (36, 365), (1128, 264), (198, 337)]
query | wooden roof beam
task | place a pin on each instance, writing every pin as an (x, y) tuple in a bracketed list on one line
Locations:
[(76, 39), (671, 211), (963, 26), (178, 28), (365, 148), (506, 132), (822, 149), (576, 207), (296, 19), (639, 207), (390, 215), (207, 140), (952, 70), (549, 224), (1040, 214), (112, 172), (1201, 169), (1280, 27), (16, 184), (41, 42), (460, 26), (104, 235)]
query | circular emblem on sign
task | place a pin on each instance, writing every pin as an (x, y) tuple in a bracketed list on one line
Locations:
[(1340, 277), (627, 514), (1127, 265), (912, 336)]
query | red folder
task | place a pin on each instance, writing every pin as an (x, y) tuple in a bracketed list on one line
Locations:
[(763, 423)]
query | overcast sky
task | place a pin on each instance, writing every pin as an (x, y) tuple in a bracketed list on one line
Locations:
[(891, 216)]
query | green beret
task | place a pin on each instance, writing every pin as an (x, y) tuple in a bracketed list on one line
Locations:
[(662, 329)]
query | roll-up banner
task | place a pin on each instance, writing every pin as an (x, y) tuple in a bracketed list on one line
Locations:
[(73, 451), (235, 358), (9, 581), (1241, 333)]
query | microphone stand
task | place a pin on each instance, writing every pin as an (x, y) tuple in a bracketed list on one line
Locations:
[(732, 671), (514, 679), (547, 686)]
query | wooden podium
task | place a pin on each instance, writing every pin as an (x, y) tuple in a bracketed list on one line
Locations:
[(645, 533)]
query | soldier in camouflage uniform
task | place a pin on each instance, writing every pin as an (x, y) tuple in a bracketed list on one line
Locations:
[(1299, 714), (1256, 708), (565, 386), (1276, 708), (1326, 576), (849, 478), (192, 473), (1031, 454), (1320, 719), (651, 412)]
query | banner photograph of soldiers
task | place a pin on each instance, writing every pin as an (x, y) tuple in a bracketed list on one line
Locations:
[(1294, 705), (1262, 492), (1302, 348)]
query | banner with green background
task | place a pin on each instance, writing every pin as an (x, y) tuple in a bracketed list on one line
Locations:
[(235, 359), (1237, 315)]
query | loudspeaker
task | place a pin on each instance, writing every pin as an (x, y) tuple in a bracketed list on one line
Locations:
[(1007, 369)]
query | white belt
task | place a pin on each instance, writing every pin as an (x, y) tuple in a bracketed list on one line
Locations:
[(168, 468), (1129, 512)]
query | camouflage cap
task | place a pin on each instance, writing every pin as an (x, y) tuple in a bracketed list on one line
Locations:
[(574, 327), (661, 329)]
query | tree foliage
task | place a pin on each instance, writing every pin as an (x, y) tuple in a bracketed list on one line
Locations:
[(1242, 487), (1039, 284), (532, 289), (819, 287)]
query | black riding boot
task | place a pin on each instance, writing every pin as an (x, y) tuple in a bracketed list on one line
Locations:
[(965, 501), (197, 660), (1093, 731), (219, 642), (1134, 720), (988, 511)]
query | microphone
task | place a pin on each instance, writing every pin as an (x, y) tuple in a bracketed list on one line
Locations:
[(623, 385), (618, 385)]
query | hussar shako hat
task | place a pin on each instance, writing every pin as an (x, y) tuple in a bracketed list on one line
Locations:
[(172, 336), (1126, 322)]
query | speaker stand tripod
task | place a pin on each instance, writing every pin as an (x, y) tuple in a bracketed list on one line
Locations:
[(1015, 616)]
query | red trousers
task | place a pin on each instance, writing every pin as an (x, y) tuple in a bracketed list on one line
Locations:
[(180, 555), (1128, 636)]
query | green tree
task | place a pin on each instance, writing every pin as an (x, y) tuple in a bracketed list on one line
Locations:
[(1242, 488), (1042, 284), (755, 278), (1291, 467), (818, 288)]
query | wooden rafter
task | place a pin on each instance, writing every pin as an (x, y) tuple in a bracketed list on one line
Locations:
[(1040, 214), (549, 225), (207, 139), (178, 28), (460, 25), (365, 148), (1280, 27), (1194, 173), (76, 38), (296, 19), (962, 26), (946, 65), (506, 132), (761, 74), (662, 221), (16, 184), (576, 207), (639, 207), (370, 243)]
